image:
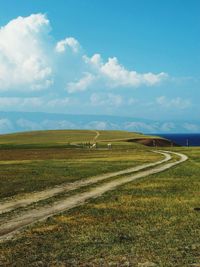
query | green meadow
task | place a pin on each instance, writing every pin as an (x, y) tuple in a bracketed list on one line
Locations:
[(25, 171), (62, 137), (153, 221)]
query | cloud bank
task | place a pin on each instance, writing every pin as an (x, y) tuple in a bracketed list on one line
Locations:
[(30, 58)]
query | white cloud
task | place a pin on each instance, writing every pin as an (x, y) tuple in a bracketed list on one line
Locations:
[(177, 102), (24, 62), (31, 60), (118, 75), (112, 74), (69, 42)]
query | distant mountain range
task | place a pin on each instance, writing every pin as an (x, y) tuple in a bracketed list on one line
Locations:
[(27, 121)]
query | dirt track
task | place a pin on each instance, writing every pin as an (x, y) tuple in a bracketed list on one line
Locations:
[(12, 226), (96, 136), (30, 198)]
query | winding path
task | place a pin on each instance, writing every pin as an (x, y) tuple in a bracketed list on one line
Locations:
[(14, 225), (96, 136), (31, 198)]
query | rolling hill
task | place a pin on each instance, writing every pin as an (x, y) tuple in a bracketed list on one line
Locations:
[(73, 137)]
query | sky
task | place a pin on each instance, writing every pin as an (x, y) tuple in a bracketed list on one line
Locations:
[(137, 58)]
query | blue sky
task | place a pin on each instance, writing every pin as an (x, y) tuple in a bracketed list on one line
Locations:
[(131, 58)]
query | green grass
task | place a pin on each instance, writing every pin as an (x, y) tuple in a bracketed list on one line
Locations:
[(54, 137), (28, 170), (57, 138), (32, 161), (150, 220), (153, 219), (119, 135)]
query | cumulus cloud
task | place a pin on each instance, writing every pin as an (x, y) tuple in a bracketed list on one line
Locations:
[(112, 74), (29, 58), (69, 42), (118, 75), (24, 61), (177, 102)]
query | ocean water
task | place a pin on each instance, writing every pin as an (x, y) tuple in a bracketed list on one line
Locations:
[(183, 139)]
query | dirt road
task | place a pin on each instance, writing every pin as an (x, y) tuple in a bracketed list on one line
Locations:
[(12, 226), (27, 199), (96, 136)]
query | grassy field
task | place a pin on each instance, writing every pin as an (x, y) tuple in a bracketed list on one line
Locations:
[(53, 137), (27, 170), (151, 220), (62, 137), (154, 221), (123, 135)]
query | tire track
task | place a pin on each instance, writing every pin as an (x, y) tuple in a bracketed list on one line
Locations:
[(31, 198), (13, 226)]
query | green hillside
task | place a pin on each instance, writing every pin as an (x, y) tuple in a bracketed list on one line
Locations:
[(64, 137)]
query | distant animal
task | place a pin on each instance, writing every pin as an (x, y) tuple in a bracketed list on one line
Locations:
[(94, 145)]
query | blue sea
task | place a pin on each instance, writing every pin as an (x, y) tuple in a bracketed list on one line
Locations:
[(183, 139)]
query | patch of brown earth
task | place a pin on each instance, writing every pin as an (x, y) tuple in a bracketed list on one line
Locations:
[(159, 142)]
